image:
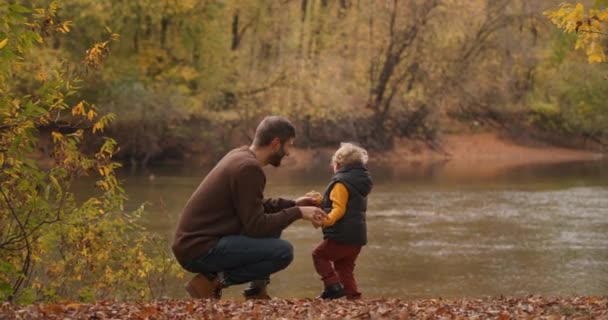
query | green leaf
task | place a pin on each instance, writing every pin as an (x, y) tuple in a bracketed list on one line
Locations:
[(19, 9), (55, 182), (34, 110), (15, 144)]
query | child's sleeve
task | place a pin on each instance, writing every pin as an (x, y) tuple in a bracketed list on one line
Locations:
[(339, 199)]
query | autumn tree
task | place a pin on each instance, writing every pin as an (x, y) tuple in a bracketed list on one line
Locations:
[(195, 76), (589, 26), (52, 244), (570, 98)]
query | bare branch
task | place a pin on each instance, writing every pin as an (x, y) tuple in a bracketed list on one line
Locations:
[(26, 262), (592, 31)]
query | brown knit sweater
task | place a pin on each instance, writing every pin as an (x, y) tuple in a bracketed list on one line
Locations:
[(230, 201)]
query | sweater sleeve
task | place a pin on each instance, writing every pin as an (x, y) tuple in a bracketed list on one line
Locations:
[(248, 188), (272, 205), (339, 199)]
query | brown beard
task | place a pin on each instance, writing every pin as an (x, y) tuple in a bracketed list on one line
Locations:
[(275, 159)]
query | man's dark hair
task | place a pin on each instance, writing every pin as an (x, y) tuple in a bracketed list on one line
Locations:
[(273, 127)]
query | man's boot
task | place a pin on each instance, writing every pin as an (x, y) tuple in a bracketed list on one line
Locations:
[(257, 290), (203, 288)]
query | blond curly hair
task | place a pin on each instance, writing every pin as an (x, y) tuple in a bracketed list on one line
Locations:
[(349, 153)]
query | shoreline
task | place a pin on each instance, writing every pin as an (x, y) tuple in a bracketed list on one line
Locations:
[(490, 146), (485, 154), (475, 150)]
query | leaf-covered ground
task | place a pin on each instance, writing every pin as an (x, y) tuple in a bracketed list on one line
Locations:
[(532, 307)]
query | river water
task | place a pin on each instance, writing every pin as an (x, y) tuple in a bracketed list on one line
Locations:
[(470, 231)]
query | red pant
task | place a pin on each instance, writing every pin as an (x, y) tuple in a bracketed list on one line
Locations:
[(343, 257)]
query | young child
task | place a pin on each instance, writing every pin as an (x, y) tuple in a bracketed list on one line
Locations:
[(344, 230)]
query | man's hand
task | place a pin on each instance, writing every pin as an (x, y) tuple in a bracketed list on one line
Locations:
[(305, 201), (314, 215)]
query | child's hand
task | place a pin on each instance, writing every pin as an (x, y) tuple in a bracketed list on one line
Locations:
[(313, 214), (318, 198), (318, 220)]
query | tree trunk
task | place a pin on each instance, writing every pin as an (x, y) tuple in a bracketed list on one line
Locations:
[(164, 26), (235, 31)]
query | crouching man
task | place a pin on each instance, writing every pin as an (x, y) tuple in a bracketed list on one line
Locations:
[(228, 232)]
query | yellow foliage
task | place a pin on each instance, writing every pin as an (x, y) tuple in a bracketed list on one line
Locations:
[(595, 53), (105, 171), (109, 274), (3, 43), (98, 126), (56, 136), (103, 185), (91, 114), (588, 27), (97, 54), (189, 73), (78, 109), (41, 76), (103, 122)]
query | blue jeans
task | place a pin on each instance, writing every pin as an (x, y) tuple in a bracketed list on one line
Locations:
[(243, 259)]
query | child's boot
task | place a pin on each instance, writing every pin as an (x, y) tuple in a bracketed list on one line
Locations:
[(333, 291)]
